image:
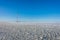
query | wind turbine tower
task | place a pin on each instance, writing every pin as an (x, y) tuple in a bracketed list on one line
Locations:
[(17, 12)]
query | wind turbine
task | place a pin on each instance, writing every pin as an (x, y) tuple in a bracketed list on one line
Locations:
[(17, 12)]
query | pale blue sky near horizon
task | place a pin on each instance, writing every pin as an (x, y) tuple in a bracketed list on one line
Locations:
[(30, 10)]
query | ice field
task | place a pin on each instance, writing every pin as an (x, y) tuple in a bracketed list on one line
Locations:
[(41, 31)]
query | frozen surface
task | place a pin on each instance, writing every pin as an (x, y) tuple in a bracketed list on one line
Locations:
[(42, 31)]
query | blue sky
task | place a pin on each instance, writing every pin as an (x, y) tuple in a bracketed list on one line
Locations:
[(30, 10)]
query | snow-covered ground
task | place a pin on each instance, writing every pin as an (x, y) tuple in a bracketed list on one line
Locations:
[(29, 31)]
